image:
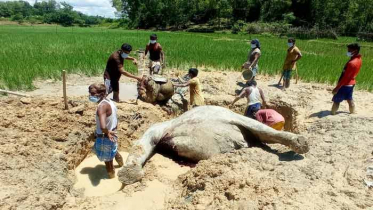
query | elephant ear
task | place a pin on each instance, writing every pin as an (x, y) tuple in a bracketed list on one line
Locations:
[(152, 91), (167, 90)]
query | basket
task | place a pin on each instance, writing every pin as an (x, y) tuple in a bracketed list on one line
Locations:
[(246, 75)]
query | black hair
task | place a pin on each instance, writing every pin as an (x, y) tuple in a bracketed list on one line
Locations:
[(100, 89), (256, 42), (126, 47), (153, 36), (251, 83), (354, 46), (291, 39), (193, 72)]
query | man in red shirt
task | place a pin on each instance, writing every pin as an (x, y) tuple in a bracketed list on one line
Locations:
[(346, 83), (156, 55)]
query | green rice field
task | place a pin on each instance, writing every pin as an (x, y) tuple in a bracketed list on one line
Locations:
[(30, 52)]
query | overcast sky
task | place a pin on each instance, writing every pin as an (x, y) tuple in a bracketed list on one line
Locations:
[(89, 7)]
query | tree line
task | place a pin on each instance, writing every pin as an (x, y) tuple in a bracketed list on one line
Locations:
[(47, 12), (344, 16)]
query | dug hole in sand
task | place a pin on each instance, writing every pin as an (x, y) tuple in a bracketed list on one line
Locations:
[(91, 175), (43, 144)]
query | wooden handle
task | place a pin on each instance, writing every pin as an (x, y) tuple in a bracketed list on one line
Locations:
[(13, 93), (64, 88)]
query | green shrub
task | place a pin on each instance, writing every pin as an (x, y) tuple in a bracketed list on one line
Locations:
[(361, 36), (314, 33)]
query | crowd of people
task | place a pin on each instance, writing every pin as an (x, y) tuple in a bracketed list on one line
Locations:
[(106, 115)]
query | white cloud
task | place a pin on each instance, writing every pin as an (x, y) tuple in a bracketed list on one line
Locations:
[(90, 7)]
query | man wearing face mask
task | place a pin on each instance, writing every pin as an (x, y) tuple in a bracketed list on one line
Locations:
[(253, 58), (346, 83), (106, 144), (156, 55), (115, 69), (290, 64)]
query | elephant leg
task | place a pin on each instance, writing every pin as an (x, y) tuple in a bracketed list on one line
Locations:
[(269, 135)]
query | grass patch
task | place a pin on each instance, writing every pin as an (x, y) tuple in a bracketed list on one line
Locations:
[(28, 52)]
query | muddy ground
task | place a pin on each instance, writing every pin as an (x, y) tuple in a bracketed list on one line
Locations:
[(42, 144)]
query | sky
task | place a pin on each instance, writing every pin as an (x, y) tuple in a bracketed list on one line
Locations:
[(90, 7)]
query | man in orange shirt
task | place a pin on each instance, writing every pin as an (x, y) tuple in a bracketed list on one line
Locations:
[(290, 64), (195, 88), (346, 83)]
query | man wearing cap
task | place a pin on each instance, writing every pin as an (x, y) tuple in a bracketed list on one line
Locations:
[(156, 55), (346, 83)]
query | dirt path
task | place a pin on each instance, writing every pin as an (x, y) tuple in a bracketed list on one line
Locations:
[(77, 85), (43, 145)]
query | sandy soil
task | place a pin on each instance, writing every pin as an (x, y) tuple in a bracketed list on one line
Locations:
[(77, 85), (43, 145)]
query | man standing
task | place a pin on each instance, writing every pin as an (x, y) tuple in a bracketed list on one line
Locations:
[(271, 118), (253, 58), (290, 64), (106, 144), (253, 95), (346, 83), (156, 55), (114, 70)]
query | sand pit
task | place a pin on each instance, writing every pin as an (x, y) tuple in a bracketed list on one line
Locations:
[(44, 143), (92, 178)]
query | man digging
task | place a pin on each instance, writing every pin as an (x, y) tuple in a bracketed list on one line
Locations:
[(253, 95)]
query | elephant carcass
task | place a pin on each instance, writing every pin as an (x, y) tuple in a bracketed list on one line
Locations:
[(155, 89), (160, 90), (202, 133)]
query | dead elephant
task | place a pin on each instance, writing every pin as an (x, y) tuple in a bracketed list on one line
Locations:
[(201, 133), (155, 89), (159, 90)]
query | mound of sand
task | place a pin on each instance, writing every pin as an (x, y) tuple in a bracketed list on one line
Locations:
[(43, 145)]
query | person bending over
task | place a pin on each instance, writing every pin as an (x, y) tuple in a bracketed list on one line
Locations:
[(253, 95), (195, 88), (270, 117)]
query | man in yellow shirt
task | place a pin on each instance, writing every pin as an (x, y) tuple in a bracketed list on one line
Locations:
[(196, 97), (290, 64)]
